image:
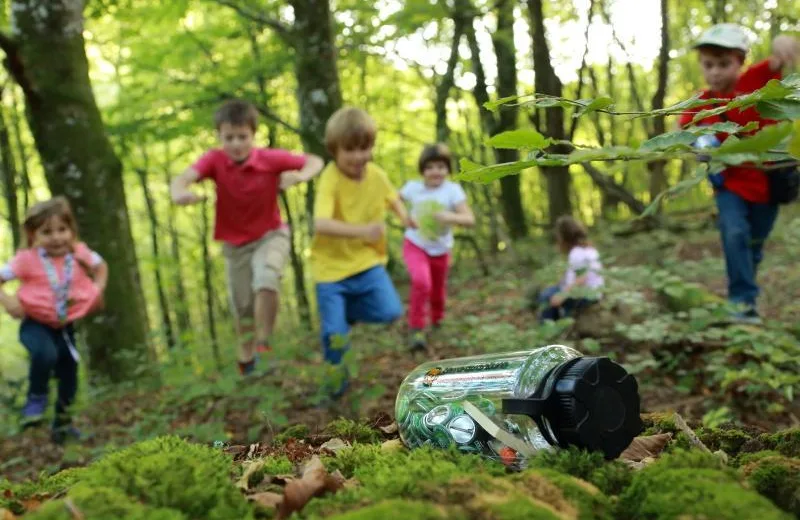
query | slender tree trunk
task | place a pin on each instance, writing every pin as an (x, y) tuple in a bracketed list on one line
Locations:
[(181, 307), (163, 302), (208, 283), (446, 82), (8, 170), (547, 82), (23, 152), (79, 162), (658, 174)]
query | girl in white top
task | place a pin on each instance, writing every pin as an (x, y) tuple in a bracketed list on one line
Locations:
[(582, 276), (437, 204)]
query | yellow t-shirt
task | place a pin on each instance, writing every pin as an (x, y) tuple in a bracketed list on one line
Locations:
[(362, 201)]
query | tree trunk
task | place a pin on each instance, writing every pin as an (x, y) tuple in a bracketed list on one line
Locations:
[(505, 51), (23, 152), (80, 162), (163, 301), (208, 283), (658, 175), (446, 83), (319, 93), (181, 307), (8, 171), (547, 82)]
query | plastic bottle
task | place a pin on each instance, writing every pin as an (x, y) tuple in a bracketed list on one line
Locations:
[(508, 406)]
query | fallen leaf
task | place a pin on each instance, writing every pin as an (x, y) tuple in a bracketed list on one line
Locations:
[(389, 430), (644, 447), (267, 499), (392, 446), (335, 445), (315, 481)]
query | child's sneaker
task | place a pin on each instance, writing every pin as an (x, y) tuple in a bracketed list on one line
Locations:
[(33, 411), (748, 317), (416, 339), (247, 368), (64, 434)]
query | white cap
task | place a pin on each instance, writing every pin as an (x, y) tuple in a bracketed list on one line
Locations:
[(726, 35)]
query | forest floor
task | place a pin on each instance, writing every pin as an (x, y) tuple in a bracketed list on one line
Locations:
[(651, 320)]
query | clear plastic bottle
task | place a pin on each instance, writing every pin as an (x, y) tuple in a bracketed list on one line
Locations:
[(507, 406)]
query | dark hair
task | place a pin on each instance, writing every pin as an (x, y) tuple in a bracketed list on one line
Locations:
[(571, 233), (718, 51), (236, 112), (40, 213), (437, 152)]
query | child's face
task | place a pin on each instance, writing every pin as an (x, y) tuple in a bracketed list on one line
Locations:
[(55, 236), (435, 173), (720, 70), (353, 162), (236, 140)]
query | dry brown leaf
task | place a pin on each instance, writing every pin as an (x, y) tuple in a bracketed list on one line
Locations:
[(267, 499), (316, 481), (389, 430), (644, 447), (335, 445)]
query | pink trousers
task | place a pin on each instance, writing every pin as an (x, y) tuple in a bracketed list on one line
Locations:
[(428, 284)]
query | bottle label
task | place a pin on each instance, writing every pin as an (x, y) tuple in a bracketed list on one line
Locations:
[(476, 372)]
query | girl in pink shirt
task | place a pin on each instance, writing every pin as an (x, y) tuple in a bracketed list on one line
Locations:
[(582, 283), (60, 281)]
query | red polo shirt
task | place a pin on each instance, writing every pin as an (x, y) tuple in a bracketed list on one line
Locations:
[(748, 182), (247, 193)]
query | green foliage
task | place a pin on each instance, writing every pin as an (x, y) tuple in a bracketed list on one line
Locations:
[(296, 431), (429, 227), (522, 139), (352, 431), (103, 502), (777, 478), (592, 504), (391, 508)]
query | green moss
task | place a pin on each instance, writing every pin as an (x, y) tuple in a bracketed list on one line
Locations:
[(691, 484), (352, 431), (659, 422), (786, 442), (729, 440), (297, 431), (516, 507), (394, 509), (276, 465), (103, 502), (12, 494), (777, 478), (744, 459), (589, 502), (611, 477)]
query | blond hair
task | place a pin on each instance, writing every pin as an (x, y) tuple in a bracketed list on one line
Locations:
[(350, 128)]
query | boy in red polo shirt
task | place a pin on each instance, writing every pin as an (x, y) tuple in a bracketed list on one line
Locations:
[(256, 242), (747, 211)]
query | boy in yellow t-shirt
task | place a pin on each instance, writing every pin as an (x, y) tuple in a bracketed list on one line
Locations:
[(348, 252)]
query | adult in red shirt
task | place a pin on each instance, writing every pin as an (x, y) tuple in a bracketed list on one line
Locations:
[(742, 194), (256, 242)]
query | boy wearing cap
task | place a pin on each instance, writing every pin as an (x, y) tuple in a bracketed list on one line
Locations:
[(747, 209)]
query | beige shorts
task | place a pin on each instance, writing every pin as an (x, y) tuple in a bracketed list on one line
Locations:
[(255, 266)]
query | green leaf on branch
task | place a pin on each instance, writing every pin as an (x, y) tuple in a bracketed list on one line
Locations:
[(593, 105), (727, 127), (679, 139), (792, 80), (525, 138), (773, 90), (779, 109), (474, 172), (603, 154), (764, 140), (494, 106), (794, 144), (684, 185)]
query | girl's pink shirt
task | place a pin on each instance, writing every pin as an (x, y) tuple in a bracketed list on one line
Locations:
[(37, 296)]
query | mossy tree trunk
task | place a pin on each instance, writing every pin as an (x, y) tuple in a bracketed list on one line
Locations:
[(47, 57), (8, 171)]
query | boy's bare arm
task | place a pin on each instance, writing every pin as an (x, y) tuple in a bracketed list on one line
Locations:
[(399, 208), (313, 166), (338, 228), (785, 51), (462, 216), (179, 188)]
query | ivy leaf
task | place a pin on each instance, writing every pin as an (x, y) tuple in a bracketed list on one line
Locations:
[(762, 141), (593, 105), (794, 144), (473, 172), (682, 138), (494, 106), (524, 138)]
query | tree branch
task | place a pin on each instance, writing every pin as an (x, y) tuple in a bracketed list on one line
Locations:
[(14, 65), (579, 91), (264, 21)]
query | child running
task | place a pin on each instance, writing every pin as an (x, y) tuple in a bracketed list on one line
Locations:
[(437, 204), (61, 281)]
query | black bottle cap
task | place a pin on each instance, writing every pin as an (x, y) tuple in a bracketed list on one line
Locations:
[(588, 402)]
